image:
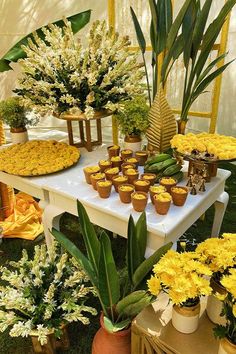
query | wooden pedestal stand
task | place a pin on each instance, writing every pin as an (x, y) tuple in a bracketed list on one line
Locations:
[(52, 344)]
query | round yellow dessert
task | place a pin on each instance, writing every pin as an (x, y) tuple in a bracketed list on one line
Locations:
[(115, 158), (104, 183), (92, 169), (157, 189), (104, 162), (132, 160), (168, 180), (38, 157), (131, 171), (178, 190), (126, 188), (98, 175), (113, 170), (139, 196), (120, 179), (114, 147), (163, 197), (142, 183)]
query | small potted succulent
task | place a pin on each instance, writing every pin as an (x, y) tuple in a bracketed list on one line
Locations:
[(18, 117)]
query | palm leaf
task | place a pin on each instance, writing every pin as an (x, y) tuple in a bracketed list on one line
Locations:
[(78, 21), (139, 32)]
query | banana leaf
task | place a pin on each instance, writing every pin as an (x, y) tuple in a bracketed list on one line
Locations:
[(78, 21)]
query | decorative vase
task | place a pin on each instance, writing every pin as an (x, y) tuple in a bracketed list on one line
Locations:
[(52, 342), (181, 124), (226, 347), (19, 135), (185, 319), (214, 305), (133, 142), (105, 342), (162, 124)]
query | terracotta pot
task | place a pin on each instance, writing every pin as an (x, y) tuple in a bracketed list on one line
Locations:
[(181, 125), (152, 191), (226, 347), (168, 186), (19, 135), (179, 199), (151, 177), (140, 186), (139, 204), (116, 163), (95, 177), (88, 172), (125, 196), (104, 191), (111, 343), (132, 160), (103, 166), (113, 150), (118, 181), (141, 156), (126, 165), (133, 142), (186, 319), (126, 153), (111, 172), (132, 177), (161, 208), (214, 305)]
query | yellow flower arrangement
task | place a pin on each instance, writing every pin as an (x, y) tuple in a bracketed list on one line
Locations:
[(37, 157), (181, 275)]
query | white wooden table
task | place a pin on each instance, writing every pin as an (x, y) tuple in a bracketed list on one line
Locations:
[(60, 191)]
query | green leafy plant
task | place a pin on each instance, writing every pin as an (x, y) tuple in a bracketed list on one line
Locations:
[(78, 21), (121, 298), (15, 114), (133, 118)]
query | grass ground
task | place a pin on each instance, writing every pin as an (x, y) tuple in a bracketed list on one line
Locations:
[(81, 336)]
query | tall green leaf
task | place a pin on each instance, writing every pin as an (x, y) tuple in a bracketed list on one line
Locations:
[(141, 235), (187, 30), (109, 286), (154, 24), (210, 67), (78, 21), (164, 13), (139, 32), (172, 55), (133, 252), (90, 238)]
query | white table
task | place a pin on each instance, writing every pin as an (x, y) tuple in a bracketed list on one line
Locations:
[(60, 191)]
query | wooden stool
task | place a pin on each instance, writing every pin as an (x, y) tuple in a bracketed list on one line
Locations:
[(82, 121)]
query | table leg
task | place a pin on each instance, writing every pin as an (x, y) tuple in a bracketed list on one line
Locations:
[(99, 131), (88, 135), (81, 131), (51, 218), (220, 207), (70, 132)]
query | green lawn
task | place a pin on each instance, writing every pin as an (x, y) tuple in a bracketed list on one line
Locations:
[(81, 336)]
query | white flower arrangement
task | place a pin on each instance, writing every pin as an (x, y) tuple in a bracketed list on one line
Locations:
[(59, 75), (43, 294)]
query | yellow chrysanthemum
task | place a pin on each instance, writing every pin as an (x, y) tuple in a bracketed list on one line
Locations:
[(154, 285)]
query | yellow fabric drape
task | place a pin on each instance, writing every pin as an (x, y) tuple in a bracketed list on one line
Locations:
[(25, 222)]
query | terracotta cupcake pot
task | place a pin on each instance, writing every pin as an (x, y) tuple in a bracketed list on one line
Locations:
[(141, 185), (179, 195), (151, 177), (104, 164), (118, 181), (126, 153), (125, 191), (116, 162), (95, 177), (153, 190), (161, 207), (104, 189), (132, 175), (88, 171), (111, 172), (141, 156), (126, 165), (113, 150), (168, 182), (139, 201), (132, 160)]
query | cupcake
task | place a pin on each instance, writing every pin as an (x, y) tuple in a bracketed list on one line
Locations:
[(88, 171), (132, 175), (141, 156), (156, 190), (179, 195), (151, 177), (119, 180), (162, 203), (139, 201), (125, 191), (168, 182), (111, 172), (95, 177), (104, 189), (126, 153), (113, 150), (141, 185), (104, 164)]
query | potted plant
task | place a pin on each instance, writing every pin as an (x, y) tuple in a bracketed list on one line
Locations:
[(39, 296), (133, 121), (182, 277), (15, 114), (227, 332), (120, 294)]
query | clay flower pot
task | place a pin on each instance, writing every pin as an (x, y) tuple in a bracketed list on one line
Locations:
[(126, 153), (226, 347), (153, 190), (113, 150), (179, 195), (162, 203), (126, 165), (111, 172), (118, 181), (95, 177), (88, 171), (168, 182), (104, 189), (104, 164), (125, 191), (141, 185), (185, 319), (132, 175), (141, 156), (139, 201), (132, 160), (151, 177), (116, 162)]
